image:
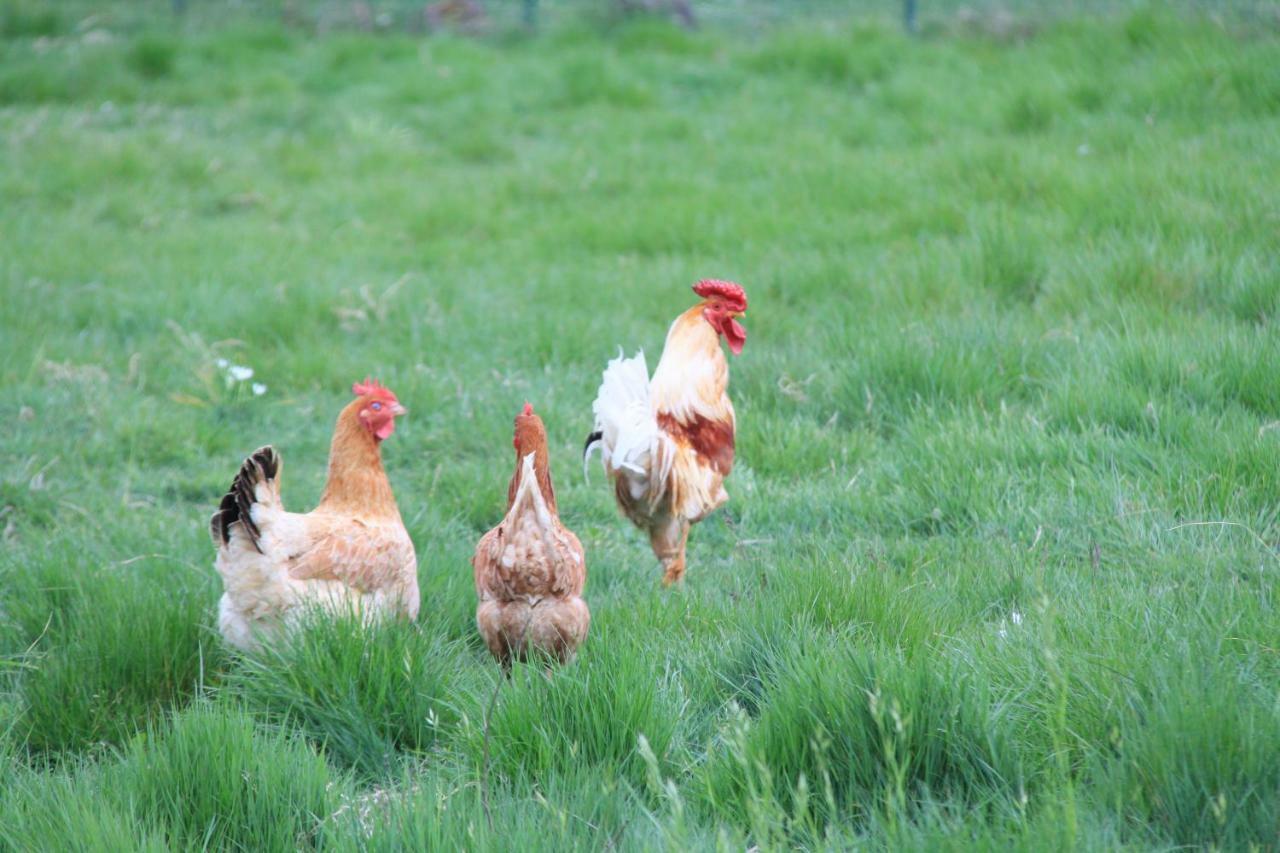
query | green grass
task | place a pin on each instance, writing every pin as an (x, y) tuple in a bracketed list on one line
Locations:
[(999, 568)]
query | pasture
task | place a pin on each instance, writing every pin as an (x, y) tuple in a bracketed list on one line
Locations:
[(999, 569)]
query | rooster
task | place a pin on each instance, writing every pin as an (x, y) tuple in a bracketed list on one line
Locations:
[(350, 552), (667, 443), (530, 569)]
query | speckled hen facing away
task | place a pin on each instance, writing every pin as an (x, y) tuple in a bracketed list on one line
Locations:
[(351, 552), (530, 569), (667, 443)]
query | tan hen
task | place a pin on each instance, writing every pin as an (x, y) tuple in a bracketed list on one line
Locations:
[(351, 552)]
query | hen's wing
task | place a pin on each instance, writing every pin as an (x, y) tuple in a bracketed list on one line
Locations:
[(484, 563), (576, 566), (363, 553)]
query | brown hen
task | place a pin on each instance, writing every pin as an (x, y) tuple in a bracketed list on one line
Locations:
[(530, 569)]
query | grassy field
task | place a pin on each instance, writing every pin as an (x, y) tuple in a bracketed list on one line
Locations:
[(1000, 565)]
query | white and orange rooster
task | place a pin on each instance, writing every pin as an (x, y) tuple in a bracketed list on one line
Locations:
[(351, 552), (530, 569), (667, 443)]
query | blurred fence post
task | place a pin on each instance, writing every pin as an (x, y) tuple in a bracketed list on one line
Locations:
[(909, 15), (531, 13)]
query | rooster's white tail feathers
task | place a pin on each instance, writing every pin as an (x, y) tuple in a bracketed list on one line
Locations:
[(626, 429)]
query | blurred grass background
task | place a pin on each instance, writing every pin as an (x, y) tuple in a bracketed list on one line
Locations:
[(999, 569)]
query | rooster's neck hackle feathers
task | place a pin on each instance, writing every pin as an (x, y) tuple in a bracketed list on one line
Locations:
[(693, 373)]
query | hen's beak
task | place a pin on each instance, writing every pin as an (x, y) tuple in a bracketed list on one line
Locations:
[(397, 410)]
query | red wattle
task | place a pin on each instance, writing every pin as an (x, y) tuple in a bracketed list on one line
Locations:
[(735, 336)]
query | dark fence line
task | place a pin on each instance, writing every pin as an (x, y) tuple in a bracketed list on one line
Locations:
[(915, 16)]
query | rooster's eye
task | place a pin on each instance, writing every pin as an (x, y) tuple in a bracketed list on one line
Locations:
[(377, 407)]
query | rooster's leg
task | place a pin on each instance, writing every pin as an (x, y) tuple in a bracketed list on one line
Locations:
[(668, 538)]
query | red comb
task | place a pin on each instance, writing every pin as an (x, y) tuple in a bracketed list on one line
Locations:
[(727, 290), (528, 409), (372, 388)]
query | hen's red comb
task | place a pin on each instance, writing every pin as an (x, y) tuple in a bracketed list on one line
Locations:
[(727, 290), (372, 388), (528, 409)]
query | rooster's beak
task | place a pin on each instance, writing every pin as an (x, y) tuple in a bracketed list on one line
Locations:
[(397, 410)]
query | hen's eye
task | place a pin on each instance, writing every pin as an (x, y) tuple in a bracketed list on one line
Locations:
[(377, 407)]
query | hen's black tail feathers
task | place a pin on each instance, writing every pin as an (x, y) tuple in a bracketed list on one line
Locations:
[(262, 466)]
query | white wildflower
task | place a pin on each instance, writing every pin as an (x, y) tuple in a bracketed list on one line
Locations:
[(259, 389), (1015, 618), (222, 364), (240, 372)]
